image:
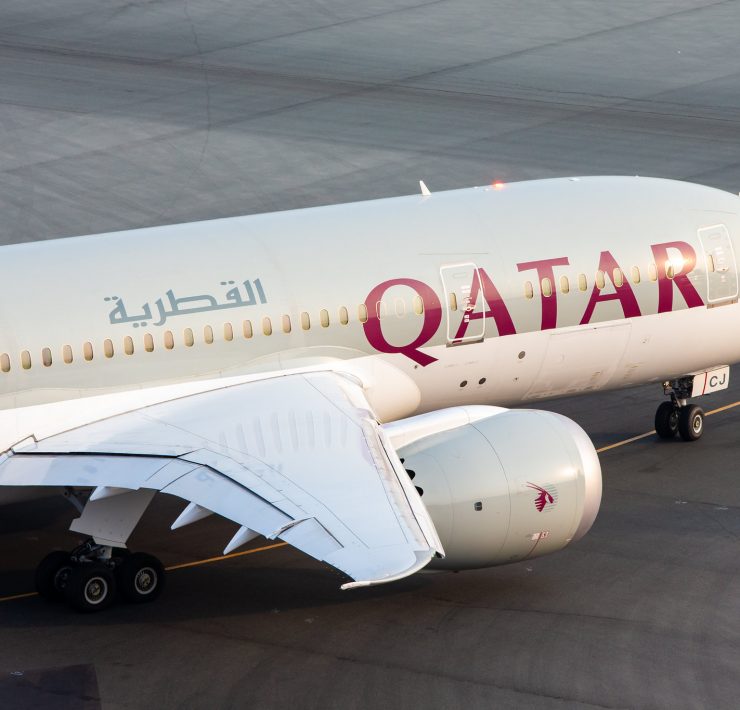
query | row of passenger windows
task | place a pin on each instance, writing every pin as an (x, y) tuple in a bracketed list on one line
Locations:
[(188, 338), (581, 282), (383, 310), (618, 277)]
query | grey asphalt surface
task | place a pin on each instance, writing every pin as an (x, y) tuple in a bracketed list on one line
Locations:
[(129, 114)]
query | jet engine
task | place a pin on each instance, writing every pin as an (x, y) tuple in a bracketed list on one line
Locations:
[(500, 485)]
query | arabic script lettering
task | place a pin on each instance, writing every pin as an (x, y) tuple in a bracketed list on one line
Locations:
[(247, 293)]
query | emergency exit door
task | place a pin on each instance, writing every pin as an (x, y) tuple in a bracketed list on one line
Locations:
[(721, 267)]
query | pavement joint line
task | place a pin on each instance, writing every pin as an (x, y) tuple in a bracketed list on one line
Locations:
[(220, 558), (652, 431)]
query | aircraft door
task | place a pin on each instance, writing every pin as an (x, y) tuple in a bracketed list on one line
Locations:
[(463, 297), (722, 282)]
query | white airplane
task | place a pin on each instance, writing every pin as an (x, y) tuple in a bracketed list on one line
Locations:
[(334, 377)]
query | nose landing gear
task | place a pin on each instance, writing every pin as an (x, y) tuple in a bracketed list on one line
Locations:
[(678, 416)]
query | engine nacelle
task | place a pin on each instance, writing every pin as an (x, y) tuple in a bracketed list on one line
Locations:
[(500, 485)]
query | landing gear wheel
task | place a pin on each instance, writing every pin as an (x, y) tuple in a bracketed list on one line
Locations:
[(52, 575), (666, 420), (91, 587), (140, 578), (691, 422)]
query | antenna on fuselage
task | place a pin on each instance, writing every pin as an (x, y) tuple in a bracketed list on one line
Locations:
[(424, 188)]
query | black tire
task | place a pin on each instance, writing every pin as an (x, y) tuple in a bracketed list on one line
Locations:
[(91, 587), (52, 575), (691, 422), (140, 578), (666, 420)]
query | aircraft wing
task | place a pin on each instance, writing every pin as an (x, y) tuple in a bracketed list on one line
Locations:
[(296, 457)]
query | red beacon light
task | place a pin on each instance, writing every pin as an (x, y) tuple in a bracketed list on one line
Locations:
[(498, 184)]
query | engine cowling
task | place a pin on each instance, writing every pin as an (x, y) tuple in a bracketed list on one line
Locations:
[(500, 485)]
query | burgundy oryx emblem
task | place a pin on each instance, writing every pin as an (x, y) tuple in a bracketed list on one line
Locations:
[(542, 499)]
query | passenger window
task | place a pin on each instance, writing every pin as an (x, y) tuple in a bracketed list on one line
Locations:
[(600, 282), (87, 351), (582, 282), (5, 362), (228, 332), (67, 354), (128, 345), (453, 301), (343, 316), (528, 290), (305, 321), (324, 317), (618, 277), (653, 272), (710, 263), (26, 360), (635, 275), (267, 326), (208, 335), (287, 327), (247, 329), (108, 348), (169, 340), (148, 342), (46, 357), (400, 308), (187, 337), (362, 313), (669, 271), (564, 285), (418, 305), (546, 287)]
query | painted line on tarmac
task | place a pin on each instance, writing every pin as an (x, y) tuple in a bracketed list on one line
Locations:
[(652, 431), (722, 409), (18, 596), (625, 442), (209, 560)]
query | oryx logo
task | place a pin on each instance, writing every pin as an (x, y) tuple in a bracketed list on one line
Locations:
[(544, 497)]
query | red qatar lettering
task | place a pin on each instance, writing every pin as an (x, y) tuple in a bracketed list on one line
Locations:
[(496, 307), (432, 319), (549, 303), (680, 279), (623, 293)]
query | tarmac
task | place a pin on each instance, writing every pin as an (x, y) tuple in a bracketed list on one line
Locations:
[(132, 114)]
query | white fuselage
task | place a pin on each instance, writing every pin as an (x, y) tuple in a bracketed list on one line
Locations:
[(487, 295)]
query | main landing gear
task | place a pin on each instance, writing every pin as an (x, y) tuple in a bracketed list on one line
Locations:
[(91, 576), (678, 416)]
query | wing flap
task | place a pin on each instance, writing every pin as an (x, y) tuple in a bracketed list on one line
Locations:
[(311, 537), (211, 489)]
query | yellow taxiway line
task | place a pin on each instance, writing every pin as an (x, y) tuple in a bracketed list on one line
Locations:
[(626, 441), (12, 597), (220, 558), (209, 560)]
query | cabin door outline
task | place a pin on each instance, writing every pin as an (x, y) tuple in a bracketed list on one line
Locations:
[(460, 282), (721, 265)]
